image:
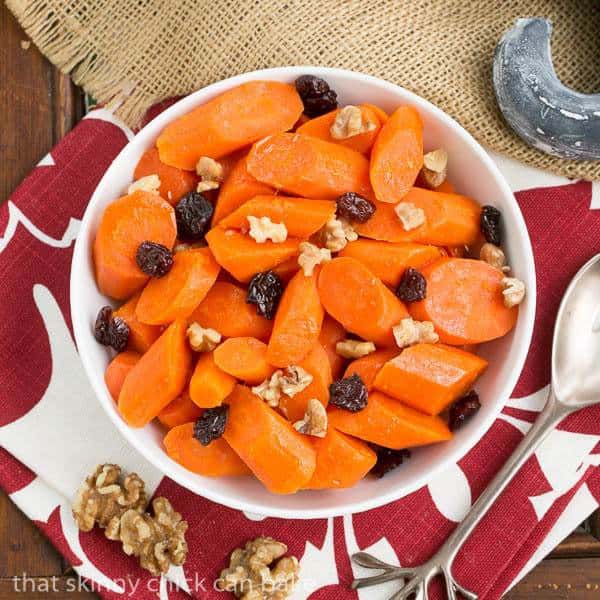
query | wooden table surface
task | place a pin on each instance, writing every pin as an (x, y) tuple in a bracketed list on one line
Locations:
[(38, 106)]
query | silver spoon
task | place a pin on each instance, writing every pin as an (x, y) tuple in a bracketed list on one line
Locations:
[(575, 385)]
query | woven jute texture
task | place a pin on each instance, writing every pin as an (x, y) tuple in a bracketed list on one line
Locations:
[(133, 53)]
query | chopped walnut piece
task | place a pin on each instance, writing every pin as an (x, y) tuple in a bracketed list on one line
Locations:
[(513, 290), (435, 168), (314, 421), (354, 348), (260, 571), (337, 233), (350, 121), (290, 381), (409, 332), (150, 183), (410, 216), (211, 174), (310, 256), (202, 339), (263, 229), (494, 256)]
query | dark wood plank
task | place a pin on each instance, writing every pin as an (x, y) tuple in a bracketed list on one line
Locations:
[(578, 544)]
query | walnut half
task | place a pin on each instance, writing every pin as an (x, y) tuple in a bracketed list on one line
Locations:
[(202, 339), (409, 332), (410, 216), (290, 382), (314, 421), (150, 183), (211, 174), (513, 291), (435, 168), (263, 229), (350, 121), (354, 348), (311, 256)]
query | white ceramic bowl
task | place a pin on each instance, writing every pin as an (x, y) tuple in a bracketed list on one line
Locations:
[(471, 171)]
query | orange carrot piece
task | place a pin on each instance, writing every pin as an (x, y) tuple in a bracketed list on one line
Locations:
[(287, 269), (388, 260), (332, 332), (125, 224), (389, 423), (181, 410), (116, 371), (209, 385), (280, 457), (397, 156), (446, 187), (379, 112), (141, 335), (464, 301), (235, 119), (309, 167), (179, 292), (215, 460), (352, 295), (244, 358), (297, 323), (368, 366), (158, 378)]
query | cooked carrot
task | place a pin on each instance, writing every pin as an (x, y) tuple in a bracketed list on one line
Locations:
[(283, 459), (158, 378), (287, 269), (309, 167), (125, 224), (388, 260), (174, 183), (446, 187), (181, 410), (352, 295), (397, 155), (464, 301), (236, 118), (301, 216), (429, 377), (225, 309), (244, 358), (116, 371), (243, 257), (141, 335), (450, 220), (368, 366), (342, 461), (209, 385), (297, 323), (215, 460), (332, 332), (179, 292), (379, 112), (389, 423)]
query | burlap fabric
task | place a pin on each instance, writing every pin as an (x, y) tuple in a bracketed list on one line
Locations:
[(132, 53)]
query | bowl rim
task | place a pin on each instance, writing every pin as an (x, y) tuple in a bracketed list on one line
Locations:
[(527, 312)]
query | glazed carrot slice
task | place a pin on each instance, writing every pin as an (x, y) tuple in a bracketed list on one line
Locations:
[(174, 183), (125, 224), (301, 216), (352, 295), (158, 378), (241, 256), (181, 410), (450, 220), (141, 335), (332, 332), (116, 371), (368, 366), (287, 269), (244, 358), (209, 385), (317, 364), (309, 167), (297, 323), (283, 459), (225, 309), (389, 423), (342, 461), (429, 377), (215, 460), (179, 292), (397, 155), (235, 119), (464, 301), (388, 260)]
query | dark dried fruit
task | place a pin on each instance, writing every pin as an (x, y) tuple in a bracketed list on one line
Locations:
[(111, 331), (463, 409), (388, 459), (349, 393), (211, 424), (318, 98), (193, 214), (355, 208), (265, 291), (154, 259), (490, 223), (412, 286)]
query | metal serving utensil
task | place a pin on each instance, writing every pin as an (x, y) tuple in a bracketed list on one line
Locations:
[(575, 385)]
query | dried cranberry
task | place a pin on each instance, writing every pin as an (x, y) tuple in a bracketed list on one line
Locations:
[(463, 409), (265, 290), (412, 286), (388, 459), (490, 223), (355, 208), (211, 424), (111, 331), (318, 98), (193, 214), (154, 259), (349, 393)]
